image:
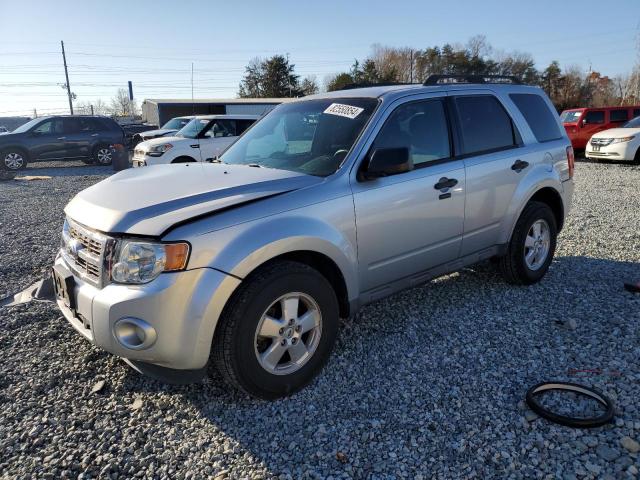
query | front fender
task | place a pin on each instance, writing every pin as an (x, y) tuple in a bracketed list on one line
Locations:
[(327, 228)]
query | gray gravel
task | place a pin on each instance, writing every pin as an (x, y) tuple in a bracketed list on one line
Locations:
[(428, 383)]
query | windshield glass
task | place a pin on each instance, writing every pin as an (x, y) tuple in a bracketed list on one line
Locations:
[(176, 123), (311, 137), (633, 123), (570, 116), (193, 128), (27, 126)]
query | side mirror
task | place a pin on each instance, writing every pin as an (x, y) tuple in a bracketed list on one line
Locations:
[(388, 161), (35, 133), (583, 122)]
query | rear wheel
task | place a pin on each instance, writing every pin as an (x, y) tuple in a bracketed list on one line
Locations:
[(102, 155), (13, 159), (636, 158), (532, 245), (184, 160), (277, 331)]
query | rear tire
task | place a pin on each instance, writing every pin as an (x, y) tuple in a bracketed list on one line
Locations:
[(102, 155), (13, 159), (636, 158), (532, 245), (277, 331)]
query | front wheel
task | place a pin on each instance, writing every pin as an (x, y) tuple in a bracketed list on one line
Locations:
[(532, 245), (13, 159), (277, 331)]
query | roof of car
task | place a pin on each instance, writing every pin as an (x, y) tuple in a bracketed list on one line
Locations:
[(228, 117), (401, 90)]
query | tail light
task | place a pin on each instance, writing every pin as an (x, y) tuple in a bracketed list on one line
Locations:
[(571, 161)]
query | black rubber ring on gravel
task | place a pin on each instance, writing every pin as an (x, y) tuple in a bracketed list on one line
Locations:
[(563, 419)]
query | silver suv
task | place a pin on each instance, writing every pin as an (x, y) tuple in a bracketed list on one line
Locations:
[(326, 204)]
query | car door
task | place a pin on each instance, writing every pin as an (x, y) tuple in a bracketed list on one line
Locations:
[(409, 222), (592, 122), (79, 132), (47, 140), (490, 144), (219, 135)]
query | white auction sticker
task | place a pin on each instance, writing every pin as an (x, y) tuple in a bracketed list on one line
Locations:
[(343, 110)]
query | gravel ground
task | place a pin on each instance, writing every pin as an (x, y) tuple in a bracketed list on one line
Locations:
[(427, 383)]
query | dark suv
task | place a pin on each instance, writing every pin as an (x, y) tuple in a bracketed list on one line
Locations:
[(86, 138)]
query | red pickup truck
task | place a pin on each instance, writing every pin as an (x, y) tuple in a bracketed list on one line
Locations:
[(582, 123)]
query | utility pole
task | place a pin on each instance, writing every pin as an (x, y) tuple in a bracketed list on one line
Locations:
[(35, 113), (91, 109), (66, 74), (411, 66)]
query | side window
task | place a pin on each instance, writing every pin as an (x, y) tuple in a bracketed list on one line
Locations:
[(636, 112), (419, 126), (52, 126), (222, 128), (619, 115), (485, 125), (594, 116), (535, 111), (242, 125), (72, 125)]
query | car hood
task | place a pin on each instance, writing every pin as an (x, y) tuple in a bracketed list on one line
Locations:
[(617, 133), (158, 133), (150, 200), (147, 144)]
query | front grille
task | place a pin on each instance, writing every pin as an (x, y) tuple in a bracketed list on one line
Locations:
[(601, 142), (84, 251)]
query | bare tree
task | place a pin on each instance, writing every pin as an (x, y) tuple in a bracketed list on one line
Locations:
[(121, 106)]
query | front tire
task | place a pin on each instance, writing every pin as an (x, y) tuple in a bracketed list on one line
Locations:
[(277, 331), (13, 159), (532, 245)]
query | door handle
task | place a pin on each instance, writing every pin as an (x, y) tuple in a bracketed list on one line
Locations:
[(195, 145), (519, 165), (445, 183), (95, 134), (62, 138)]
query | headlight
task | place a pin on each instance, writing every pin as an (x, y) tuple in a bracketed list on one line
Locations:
[(140, 262), (623, 139), (158, 150)]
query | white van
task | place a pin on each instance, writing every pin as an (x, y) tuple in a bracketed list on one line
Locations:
[(200, 140)]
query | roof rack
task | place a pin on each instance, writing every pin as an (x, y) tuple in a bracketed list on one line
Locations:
[(440, 79), (351, 86)]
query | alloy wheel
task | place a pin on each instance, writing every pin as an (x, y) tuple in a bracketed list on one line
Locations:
[(104, 156), (288, 333), (13, 161), (537, 244)]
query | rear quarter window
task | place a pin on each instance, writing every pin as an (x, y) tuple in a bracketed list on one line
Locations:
[(620, 115), (535, 111)]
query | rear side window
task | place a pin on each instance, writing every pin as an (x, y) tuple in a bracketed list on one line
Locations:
[(537, 114), (594, 116), (484, 123), (620, 115), (636, 112)]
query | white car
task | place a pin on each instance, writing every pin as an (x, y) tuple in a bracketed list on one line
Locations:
[(200, 140), (621, 143)]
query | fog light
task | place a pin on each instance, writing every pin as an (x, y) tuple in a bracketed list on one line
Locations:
[(134, 334)]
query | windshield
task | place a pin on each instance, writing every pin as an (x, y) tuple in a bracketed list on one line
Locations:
[(570, 116), (27, 126), (311, 137), (193, 128), (176, 123), (633, 123)]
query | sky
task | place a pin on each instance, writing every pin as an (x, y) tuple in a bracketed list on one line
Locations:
[(154, 43)]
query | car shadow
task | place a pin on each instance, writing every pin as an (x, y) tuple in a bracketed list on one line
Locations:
[(414, 373)]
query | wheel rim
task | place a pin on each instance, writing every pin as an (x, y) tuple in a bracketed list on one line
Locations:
[(13, 161), (288, 333), (104, 155), (537, 244)]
